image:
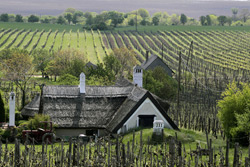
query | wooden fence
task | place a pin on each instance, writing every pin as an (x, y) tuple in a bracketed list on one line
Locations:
[(107, 152)]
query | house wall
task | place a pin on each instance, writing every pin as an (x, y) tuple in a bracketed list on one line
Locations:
[(158, 62), (75, 132), (146, 108)]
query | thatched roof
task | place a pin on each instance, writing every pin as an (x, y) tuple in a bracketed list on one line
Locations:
[(100, 107)]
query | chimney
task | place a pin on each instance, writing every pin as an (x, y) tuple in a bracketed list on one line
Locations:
[(137, 75), (82, 83), (12, 109), (147, 52)]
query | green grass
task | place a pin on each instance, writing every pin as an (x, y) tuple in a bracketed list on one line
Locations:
[(185, 28), (40, 26)]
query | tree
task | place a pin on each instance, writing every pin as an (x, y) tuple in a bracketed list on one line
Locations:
[(155, 20), (116, 17), (183, 19), (112, 66), (41, 58), (33, 19), (4, 17), (244, 14), (68, 16), (19, 18), (66, 62), (70, 10), (229, 21), (234, 112), (203, 20), (60, 20), (127, 59), (158, 82), (18, 68), (2, 109), (131, 22), (209, 21), (143, 13), (235, 12), (222, 20), (74, 19)]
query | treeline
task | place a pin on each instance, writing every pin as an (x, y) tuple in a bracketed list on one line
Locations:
[(111, 19)]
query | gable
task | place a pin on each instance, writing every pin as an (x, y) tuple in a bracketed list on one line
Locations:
[(158, 62), (133, 110)]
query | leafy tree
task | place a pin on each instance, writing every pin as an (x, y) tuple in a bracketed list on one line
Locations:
[(33, 19), (143, 22), (203, 20), (155, 20), (209, 21), (41, 58), (131, 22), (235, 12), (234, 111), (143, 13), (183, 19), (127, 59), (222, 20), (19, 18), (112, 66), (66, 62), (158, 82), (229, 21), (68, 17), (18, 68), (74, 19), (116, 17), (175, 20), (2, 109), (244, 14), (61, 20), (70, 10), (4, 17)]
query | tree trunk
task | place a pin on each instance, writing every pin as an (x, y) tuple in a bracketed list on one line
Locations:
[(23, 98)]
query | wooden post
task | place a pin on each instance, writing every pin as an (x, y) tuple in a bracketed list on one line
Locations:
[(246, 162), (70, 148), (62, 155), (141, 148), (236, 156), (109, 146), (178, 93), (172, 153), (227, 154), (117, 152), (17, 153), (210, 154)]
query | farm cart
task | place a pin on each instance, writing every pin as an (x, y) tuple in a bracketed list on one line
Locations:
[(40, 135)]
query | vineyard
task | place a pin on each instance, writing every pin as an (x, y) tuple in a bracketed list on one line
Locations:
[(209, 60)]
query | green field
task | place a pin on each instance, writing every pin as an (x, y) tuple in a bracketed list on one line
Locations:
[(222, 49)]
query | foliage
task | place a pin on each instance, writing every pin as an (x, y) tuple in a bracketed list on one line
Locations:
[(17, 67), (67, 79), (68, 17), (183, 19), (33, 19), (2, 109), (34, 123), (233, 110), (4, 17), (222, 20), (41, 58), (66, 61), (116, 17), (19, 18), (158, 82), (155, 20), (61, 20)]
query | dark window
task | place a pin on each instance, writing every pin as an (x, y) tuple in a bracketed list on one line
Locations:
[(146, 120), (91, 132)]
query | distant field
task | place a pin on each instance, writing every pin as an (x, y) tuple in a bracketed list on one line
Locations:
[(39, 26), (218, 49), (185, 28)]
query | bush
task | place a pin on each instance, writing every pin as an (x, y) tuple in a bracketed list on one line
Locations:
[(234, 112), (68, 79)]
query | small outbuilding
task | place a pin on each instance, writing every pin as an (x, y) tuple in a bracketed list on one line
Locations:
[(154, 61)]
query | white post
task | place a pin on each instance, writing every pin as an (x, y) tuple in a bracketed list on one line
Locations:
[(137, 121), (12, 109), (82, 83)]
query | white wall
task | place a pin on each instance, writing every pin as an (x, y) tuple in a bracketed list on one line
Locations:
[(146, 108)]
